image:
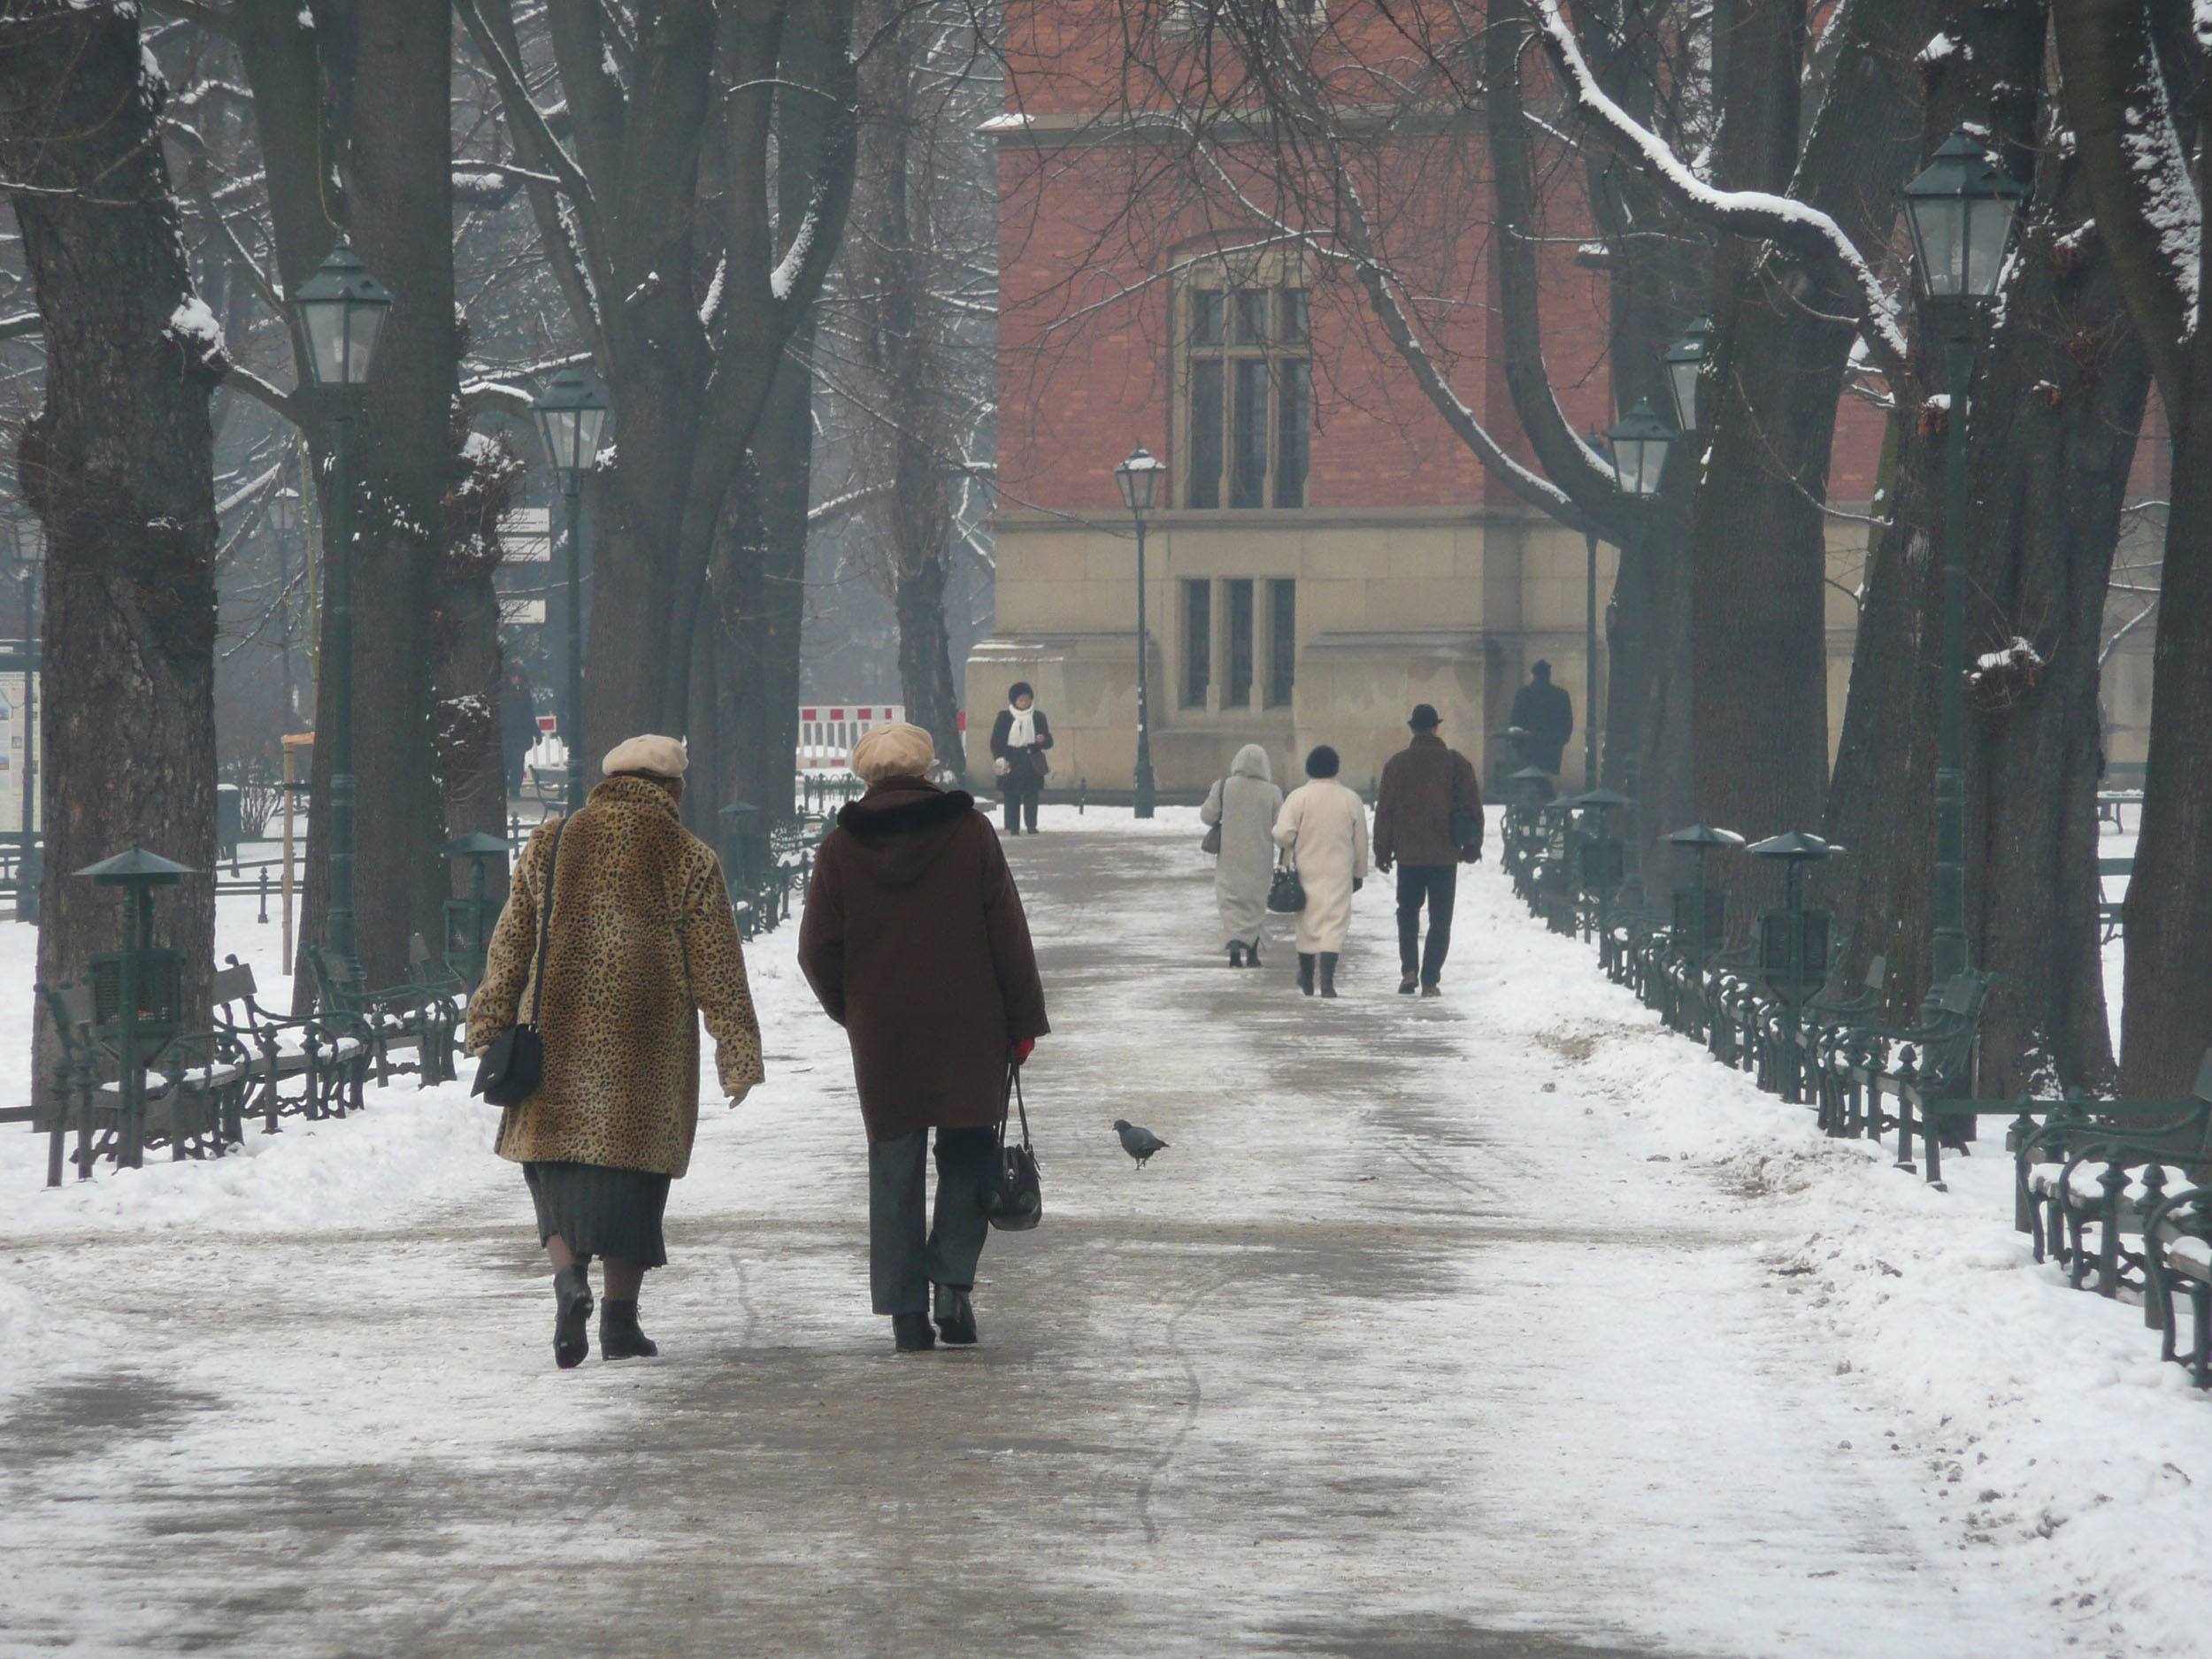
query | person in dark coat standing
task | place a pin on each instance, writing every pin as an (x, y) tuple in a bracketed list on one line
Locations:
[(1544, 717), (1020, 738), (1428, 821), (915, 940)]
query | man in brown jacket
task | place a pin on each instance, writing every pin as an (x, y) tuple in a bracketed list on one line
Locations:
[(915, 941), (1428, 821)]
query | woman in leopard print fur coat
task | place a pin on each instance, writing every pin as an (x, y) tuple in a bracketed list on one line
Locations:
[(641, 943)]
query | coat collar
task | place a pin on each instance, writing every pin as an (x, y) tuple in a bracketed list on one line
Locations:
[(898, 806), (634, 792)]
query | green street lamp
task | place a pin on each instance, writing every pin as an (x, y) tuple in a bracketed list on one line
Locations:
[(1639, 442), (1685, 361), (28, 544), (572, 413), (341, 311), (284, 519), (1960, 210), (1140, 480)]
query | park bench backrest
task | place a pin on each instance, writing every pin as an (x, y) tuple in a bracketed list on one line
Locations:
[(230, 985), (2115, 867)]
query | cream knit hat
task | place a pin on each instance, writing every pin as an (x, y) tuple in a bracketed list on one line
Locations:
[(662, 757), (897, 750)]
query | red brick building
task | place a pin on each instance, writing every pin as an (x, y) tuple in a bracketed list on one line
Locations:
[(1328, 551)]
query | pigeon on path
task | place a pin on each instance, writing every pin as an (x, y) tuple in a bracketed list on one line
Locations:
[(1138, 1143)]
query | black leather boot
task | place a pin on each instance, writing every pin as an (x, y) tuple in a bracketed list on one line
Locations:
[(1252, 960), (571, 1317), (1236, 955), (1328, 973), (956, 1316), (1305, 973), (619, 1336), (911, 1333)]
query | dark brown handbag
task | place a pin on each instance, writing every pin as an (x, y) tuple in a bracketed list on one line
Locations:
[(1013, 1201), (514, 1065)]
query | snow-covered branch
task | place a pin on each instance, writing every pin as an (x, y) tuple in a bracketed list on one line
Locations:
[(1802, 232)]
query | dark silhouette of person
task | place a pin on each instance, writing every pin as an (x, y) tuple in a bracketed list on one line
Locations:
[(1543, 718)]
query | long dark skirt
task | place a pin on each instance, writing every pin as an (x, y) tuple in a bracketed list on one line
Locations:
[(599, 1211)]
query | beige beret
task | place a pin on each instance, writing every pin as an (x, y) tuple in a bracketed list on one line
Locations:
[(662, 757), (897, 750)]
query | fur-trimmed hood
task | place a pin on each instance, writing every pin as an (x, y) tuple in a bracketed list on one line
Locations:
[(900, 826)]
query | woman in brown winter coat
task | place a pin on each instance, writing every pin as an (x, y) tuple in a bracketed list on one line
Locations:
[(639, 942), (915, 941)]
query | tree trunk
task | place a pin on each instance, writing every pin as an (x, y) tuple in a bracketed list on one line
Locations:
[(118, 466), (2166, 1021), (933, 701), (398, 164), (1758, 649)]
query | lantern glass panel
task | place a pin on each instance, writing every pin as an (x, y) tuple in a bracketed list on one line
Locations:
[(1939, 232), (1682, 377), (325, 322), (560, 427), (1988, 223), (589, 424)]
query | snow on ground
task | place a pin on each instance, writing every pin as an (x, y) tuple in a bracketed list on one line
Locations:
[(1514, 1312)]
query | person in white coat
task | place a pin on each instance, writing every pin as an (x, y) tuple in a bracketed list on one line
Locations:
[(1243, 805), (1323, 827)]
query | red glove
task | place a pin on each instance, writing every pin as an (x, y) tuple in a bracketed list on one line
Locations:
[(1022, 1050)]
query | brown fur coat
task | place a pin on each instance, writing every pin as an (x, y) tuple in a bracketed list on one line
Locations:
[(643, 943)]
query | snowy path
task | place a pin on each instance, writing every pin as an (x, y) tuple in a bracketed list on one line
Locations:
[(1406, 1348)]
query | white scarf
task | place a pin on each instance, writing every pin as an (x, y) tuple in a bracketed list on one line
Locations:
[(1023, 732)]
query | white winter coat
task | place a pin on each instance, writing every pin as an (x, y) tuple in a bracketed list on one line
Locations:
[(1324, 827), (1244, 804)]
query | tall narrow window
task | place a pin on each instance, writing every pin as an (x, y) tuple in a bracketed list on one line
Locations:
[(1198, 642), (1282, 642), (1247, 385), (1237, 693)]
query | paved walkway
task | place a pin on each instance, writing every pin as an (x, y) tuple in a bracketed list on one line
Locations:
[(1393, 1355)]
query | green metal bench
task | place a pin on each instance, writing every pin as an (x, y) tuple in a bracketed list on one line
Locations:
[(2111, 912), (331, 1065), (2107, 1165), (393, 1020), (2178, 1260)]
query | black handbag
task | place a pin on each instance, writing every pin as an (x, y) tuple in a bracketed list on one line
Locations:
[(1013, 1201), (514, 1065), (1287, 895)]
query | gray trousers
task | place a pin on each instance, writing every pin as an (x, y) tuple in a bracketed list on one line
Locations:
[(902, 1261)]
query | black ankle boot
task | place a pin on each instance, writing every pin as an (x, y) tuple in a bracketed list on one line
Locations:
[(911, 1333), (1252, 960), (1328, 973), (956, 1316), (571, 1317), (619, 1336), (1236, 955), (1305, 973)]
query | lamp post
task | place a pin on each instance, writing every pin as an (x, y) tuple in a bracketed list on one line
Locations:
[(284, 519), (1639, 442), (571, 413), (1590, 642), (1960, 210), (341, 309), (30, 554), (1140, 480)]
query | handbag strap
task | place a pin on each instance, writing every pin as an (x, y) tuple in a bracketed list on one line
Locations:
[(545, 922), (1014, 1103)]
